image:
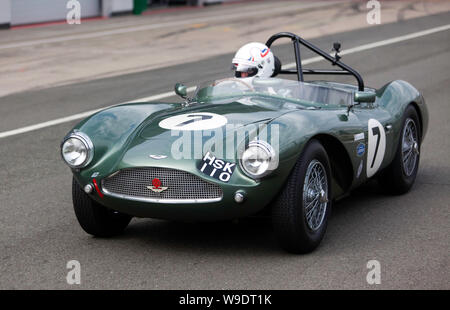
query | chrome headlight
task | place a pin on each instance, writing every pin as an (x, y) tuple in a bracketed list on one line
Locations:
[(77, 150), (259, 159)]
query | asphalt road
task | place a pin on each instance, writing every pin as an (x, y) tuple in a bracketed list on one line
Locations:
[(408, 235)]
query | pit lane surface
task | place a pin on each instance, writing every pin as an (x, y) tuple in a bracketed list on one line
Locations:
[(408, 235)]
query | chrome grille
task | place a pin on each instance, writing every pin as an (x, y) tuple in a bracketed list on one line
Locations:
[(181, 186)]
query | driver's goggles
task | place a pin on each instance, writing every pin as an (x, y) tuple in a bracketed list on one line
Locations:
[(244, 71)]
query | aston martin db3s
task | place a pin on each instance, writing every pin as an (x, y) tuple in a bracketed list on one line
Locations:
[(238, 147)]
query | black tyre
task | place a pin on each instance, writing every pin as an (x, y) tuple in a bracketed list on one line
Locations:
[(400, 175), (94, 218), (300, 214)]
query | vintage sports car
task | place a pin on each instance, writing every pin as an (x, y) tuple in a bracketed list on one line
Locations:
[(241, 147)]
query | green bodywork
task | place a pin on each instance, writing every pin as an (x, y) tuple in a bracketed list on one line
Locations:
[(123, 137)]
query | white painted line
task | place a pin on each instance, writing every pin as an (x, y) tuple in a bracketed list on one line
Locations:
[(74, 117), (375, 44), (221, 17), (161, 96), (58, 121), (190, 89)]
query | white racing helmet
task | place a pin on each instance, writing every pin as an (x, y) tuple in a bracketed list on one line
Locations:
[(254, 59)]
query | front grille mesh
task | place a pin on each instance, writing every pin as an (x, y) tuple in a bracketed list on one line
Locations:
[(181, 185)]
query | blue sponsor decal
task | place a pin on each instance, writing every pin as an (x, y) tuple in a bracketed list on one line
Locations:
[(360, 149)]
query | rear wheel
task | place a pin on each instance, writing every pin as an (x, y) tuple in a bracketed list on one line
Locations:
[(94, 218), (400, 175), (300, 214)]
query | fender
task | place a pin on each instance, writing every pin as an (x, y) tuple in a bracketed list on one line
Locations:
[(112, 129)]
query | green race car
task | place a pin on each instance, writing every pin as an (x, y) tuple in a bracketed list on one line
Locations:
[(242, 147)]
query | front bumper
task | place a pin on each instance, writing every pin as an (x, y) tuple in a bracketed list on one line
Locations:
[(257, 196)]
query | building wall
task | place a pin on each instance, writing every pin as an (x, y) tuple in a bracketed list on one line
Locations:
[(32, 11), (122, 6), (18, 12), (5, 12)]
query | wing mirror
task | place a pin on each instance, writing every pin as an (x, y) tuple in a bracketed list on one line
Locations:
[(337, 50), (181, 90), (364, 96)]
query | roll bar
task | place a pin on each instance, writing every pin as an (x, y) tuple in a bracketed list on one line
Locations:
[(296, 40)]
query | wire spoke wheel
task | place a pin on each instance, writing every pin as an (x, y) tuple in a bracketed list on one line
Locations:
[(399, 176), (410, 147), (315, 194), (301, 212)]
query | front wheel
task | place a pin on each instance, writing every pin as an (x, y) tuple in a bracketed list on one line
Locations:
[(300, 214), (94, 218)]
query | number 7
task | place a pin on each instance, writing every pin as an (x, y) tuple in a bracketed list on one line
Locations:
[(375, 132)]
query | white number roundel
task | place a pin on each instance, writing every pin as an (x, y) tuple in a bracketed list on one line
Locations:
[(376, 146), (194, 121)]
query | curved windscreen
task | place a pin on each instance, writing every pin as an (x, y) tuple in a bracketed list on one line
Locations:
[(306, 94)]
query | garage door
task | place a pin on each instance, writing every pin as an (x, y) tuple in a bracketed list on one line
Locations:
[(37, 11)]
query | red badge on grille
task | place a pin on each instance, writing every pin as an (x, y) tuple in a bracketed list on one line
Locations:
[(156, 183), (156, 186)]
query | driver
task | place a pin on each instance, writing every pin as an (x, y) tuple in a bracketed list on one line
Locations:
[(254, 60)]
